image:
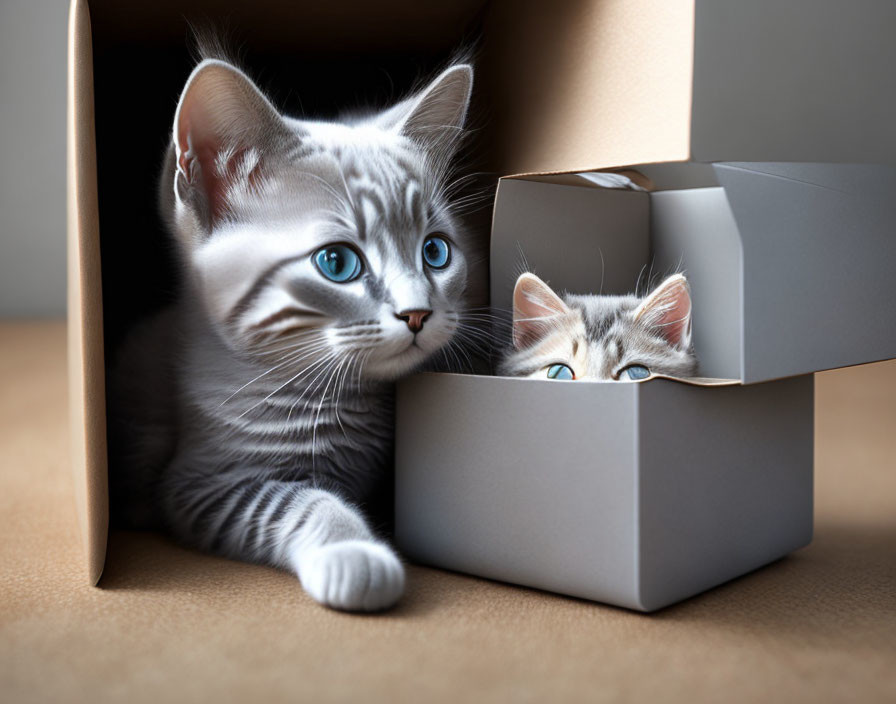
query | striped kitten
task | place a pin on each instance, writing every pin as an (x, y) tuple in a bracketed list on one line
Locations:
[(321, 261), (610, 338)]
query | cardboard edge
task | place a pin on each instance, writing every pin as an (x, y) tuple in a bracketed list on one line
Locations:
[(86, 368), (703, 381), (692, 381), (637, 596), (611, 167)]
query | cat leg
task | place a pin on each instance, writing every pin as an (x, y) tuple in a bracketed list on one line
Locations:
[(291, 525), (338, 560)]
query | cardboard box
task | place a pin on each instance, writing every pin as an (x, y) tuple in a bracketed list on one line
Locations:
[(783, 259), (637, 495), (589, 84), (642, 494), (127, 63)]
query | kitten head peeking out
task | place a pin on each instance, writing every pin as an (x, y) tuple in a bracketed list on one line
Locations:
[(608, 338), (336, 241)]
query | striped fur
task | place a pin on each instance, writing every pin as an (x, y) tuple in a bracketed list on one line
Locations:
[(598, 337), (255, 419)]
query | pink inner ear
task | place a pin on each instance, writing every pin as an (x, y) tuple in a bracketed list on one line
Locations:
[(669, 310), (676, 325), (528, 331), (535, 307), (200, 148)]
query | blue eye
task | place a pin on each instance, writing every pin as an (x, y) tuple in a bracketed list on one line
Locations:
[(436, 252), (338, 263), (560, 371), (636, 371)]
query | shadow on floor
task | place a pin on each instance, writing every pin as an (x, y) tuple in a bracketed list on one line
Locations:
[(845, 580), (150, 562)]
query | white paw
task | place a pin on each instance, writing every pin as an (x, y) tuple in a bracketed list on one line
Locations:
[(352, 575)]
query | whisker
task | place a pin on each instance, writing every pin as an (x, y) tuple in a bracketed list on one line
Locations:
[(290, 357), (283, 385)]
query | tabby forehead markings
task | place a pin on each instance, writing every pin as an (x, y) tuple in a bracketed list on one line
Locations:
[(303, 149), (262, 282), (375, 287), (286, 314), (598, 336)]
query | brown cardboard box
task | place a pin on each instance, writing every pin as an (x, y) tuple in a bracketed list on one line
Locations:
[(569, 86)]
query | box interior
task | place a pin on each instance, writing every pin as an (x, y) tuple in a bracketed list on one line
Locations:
[(619, 241), (778, 255)]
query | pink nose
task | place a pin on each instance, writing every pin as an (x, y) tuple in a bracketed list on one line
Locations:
[(414, 318)]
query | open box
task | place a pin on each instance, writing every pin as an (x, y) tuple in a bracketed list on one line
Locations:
[(641, 494), (780, 257), (591, 84)]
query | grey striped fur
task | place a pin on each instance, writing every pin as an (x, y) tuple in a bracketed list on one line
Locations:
[(254, 419), (600, 336)]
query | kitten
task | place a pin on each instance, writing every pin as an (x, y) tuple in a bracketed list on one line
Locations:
[(600, 337), (321, 262)]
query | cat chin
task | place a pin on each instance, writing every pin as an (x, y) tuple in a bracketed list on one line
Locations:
[(394, 367)]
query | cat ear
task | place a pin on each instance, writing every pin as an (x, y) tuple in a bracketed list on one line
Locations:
[(435, 116), (535, 306), (220, 128), (668, 309)]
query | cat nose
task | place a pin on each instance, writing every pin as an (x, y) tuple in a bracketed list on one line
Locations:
[(414, 318)]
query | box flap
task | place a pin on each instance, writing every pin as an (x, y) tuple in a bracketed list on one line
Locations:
[(87, 400), (696, 380), (819, 257)]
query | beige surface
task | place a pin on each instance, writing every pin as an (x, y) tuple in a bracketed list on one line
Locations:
[(172, 625)]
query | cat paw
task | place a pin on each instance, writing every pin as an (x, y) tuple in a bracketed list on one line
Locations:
[(352, 575)]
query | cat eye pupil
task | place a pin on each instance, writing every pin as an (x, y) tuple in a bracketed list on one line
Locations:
[(333, 261), (338, 263), (436, 252), (560, 371)]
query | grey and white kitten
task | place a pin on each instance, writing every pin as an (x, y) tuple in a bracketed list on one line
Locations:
[(610, 338), (321, 261)]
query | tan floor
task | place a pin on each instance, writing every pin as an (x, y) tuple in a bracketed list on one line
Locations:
[(171, 625)]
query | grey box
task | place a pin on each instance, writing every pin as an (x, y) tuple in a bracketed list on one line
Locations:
[(637, 495), (791, 266), (642, 494)]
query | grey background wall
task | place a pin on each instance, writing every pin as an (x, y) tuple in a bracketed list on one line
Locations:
[(32, 157)]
